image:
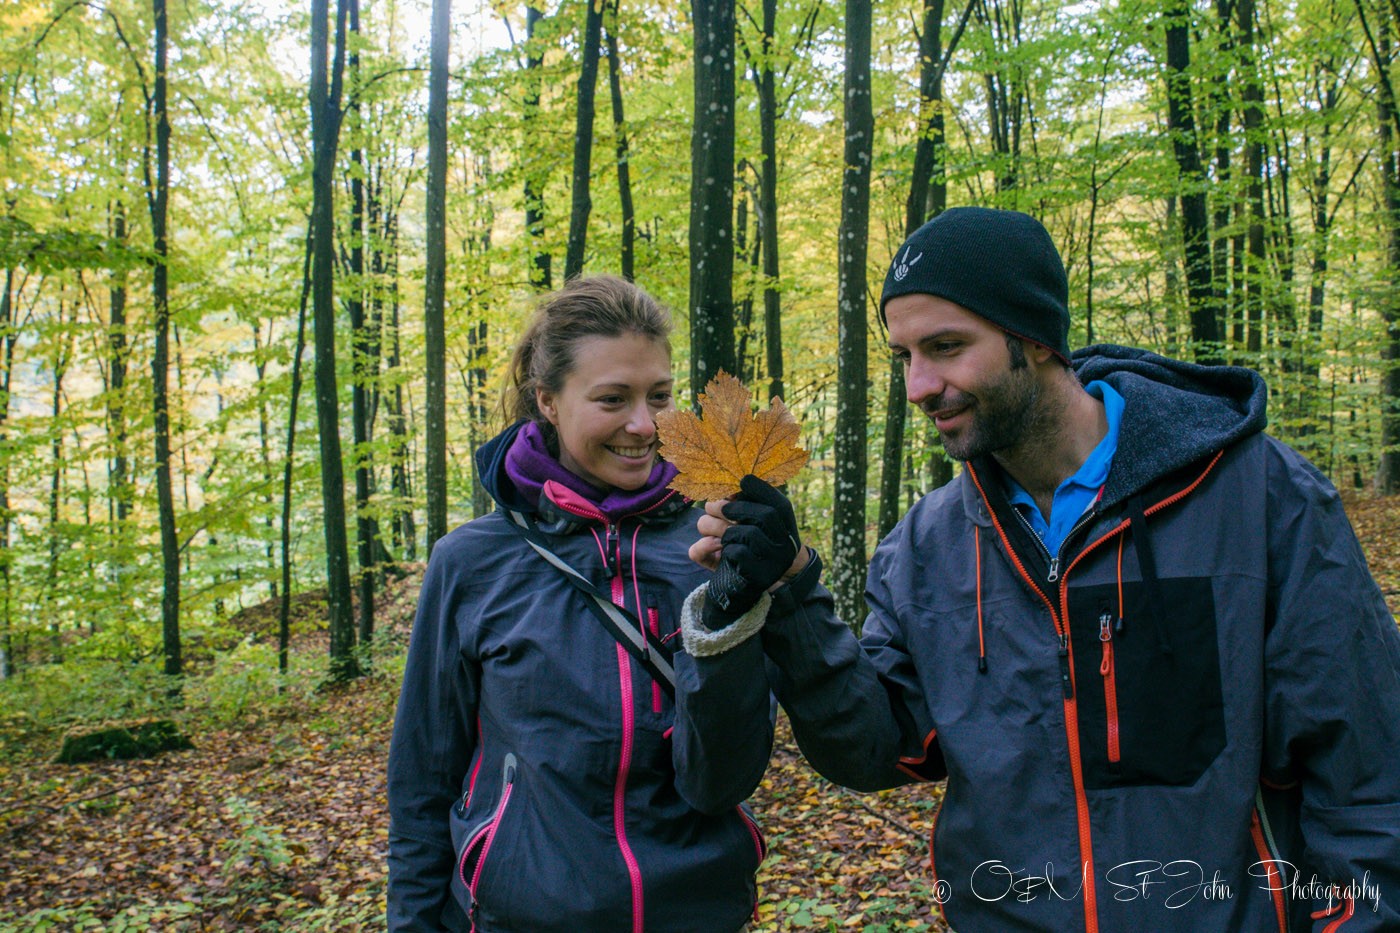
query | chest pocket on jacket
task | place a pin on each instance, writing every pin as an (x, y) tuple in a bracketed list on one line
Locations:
[(661, 618), (1147, 682)]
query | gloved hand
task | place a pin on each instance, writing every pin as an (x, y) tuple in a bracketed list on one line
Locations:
[(758, 550)]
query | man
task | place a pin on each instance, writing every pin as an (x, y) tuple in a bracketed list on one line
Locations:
[(1136, 634)]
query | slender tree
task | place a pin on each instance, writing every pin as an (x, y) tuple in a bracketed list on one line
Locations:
[(402, 522), (8, 336), (712, 195), (269, 480), (1326, 87), (1005, 83), (1218, 101), (624, 168), (768, 202), (364, 350), (582, 202), (749, 258), (434, 328), (1252, 122), (1380, 26), (118, 478), (158, 200), (325, 99), (534, 172), (58, 366), (1181, 122), (852, 367), (284, 629), (928, 195)]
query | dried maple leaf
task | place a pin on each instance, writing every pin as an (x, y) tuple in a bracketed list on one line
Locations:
[(715, 452)]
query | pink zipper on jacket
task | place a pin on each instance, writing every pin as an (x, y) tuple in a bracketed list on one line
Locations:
[(611, 548), (507, 785), (624, 766)]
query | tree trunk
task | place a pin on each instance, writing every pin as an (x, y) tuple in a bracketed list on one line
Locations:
[(118, 478), (434, 328), (768, 204), (1181, 123), (59, 367), (852, 366), (285, 610), (1222, 296), (928, 193), (1171, 275), (712, 195), (743, 312), (624, 171), (477, 375), (325, 132), (364, 351), (582, 203), (10, 332), (1252, 122), (1309, 351), (1388, 118), (1281, 297), (405, 529), (534, 175), (1006, 91), (265, 453), (158, 199), (376, 242)]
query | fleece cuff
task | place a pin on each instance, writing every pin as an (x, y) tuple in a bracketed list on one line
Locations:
[(700, 642)]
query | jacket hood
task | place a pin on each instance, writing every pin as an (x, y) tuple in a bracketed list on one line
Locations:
[(1176, 412), (491, 469)]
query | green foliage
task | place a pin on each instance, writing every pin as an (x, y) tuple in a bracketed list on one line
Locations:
[(1062, 115), (253, 849), (54, 696), (136, 919), (243, 685)]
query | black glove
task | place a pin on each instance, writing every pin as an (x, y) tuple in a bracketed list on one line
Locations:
[(758, 550)]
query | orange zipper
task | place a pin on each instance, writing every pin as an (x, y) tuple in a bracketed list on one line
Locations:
[(1110, 686), (1059, 619)]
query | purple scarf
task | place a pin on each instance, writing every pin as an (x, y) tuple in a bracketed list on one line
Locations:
[(529, 466)]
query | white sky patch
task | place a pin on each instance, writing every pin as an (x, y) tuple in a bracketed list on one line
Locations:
[(476, 29)]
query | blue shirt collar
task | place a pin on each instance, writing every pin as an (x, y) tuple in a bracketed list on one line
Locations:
[(1077, 494)]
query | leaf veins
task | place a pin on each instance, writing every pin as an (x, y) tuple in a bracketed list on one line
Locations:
[(715, 452)]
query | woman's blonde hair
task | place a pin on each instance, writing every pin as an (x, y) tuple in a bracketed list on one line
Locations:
[(587, 306)]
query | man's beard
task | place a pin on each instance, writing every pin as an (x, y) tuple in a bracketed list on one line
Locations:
[(1003, 414)]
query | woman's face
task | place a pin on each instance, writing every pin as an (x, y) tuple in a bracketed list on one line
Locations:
[(605, 412)]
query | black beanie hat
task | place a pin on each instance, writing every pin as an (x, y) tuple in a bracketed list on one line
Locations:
[(1000, 265)]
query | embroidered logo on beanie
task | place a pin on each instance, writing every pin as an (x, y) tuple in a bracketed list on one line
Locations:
[(900, 267)]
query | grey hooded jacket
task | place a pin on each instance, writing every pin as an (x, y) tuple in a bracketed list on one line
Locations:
[(1187, 720)]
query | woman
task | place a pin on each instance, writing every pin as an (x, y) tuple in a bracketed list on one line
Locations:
[(532, 773)]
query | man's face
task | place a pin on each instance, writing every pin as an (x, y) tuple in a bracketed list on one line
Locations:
[(959, 369)]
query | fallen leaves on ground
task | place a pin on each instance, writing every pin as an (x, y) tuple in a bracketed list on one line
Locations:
[(250, 827), (1377, 523), (282, 825), (714, 452), (838, 859)]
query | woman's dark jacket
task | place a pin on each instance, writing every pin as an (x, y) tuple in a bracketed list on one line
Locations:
[(532, 774)]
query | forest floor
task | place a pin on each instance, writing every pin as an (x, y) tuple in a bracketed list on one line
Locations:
[(278, 822)]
